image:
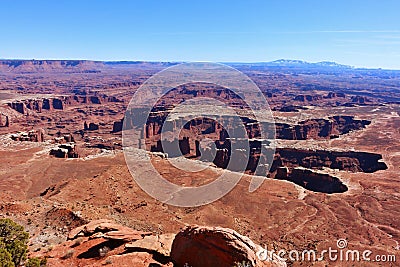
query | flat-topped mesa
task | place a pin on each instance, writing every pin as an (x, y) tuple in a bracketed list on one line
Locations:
[(92, 99), (360, 99), (194, 131), (304, 98), (324, 128), (311, 180), (302, 166), (313, 159), (32, 66), (342, 160), (18, 106), (59, 103), (200, 128), (37, 105), (329, 128), (335, 95)]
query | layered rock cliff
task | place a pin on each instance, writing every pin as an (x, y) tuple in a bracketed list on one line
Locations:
[(27, 66)]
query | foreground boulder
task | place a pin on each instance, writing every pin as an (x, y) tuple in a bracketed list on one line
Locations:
[(104, 242), (215, 246)]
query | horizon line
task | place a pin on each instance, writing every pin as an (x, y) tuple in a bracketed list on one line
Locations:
[(186, 61)]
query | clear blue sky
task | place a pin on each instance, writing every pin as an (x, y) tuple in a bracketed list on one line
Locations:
[(359, 33)]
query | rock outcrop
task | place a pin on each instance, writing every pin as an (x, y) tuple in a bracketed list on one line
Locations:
[(29, 66), (67, 138), (360, 99), (90, 127), (106, 242), (329, 128), (18, 106), (59, 103), (4, 121), (215, 246), (32, 136), (193, 132), (335, 95), (312, 180), (347, 160), (107, 229), (66, 150), (117, 126), (160, 244), (304, 98)]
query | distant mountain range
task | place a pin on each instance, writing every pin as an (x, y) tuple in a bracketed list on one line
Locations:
[(29, 66), (279, 62), (291, 63)]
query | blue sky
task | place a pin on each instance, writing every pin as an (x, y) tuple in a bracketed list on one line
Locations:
[(361, 33)]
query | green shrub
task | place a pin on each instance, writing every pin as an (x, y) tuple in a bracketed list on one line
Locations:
[(14, 240), (5, 258), (33, 262), (36, 262)]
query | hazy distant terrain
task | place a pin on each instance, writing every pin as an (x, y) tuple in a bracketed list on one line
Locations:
[(334, 173)]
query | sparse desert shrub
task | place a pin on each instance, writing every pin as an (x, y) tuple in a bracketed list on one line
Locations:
[(103, 251), (68, 254), (77, 242), (243, 264), (108, 261), (14, 240), (36, 262)]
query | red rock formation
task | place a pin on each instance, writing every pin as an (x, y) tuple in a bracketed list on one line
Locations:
[(68, 138), (359, 99), (95, 100), (29, 66), (57, 103), (158, 244), (34, 104), (347, 160), (319, 128), (311, 180), (215, 246), (4, 121), (90, 127), (304, 98), (18, 106), (107, 229), (117, 126), (32, 136), (335, 95), (67, 150), (103, 241), (46, 104)]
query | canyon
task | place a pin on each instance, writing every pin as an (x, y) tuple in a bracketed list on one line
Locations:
[(329, 162)]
